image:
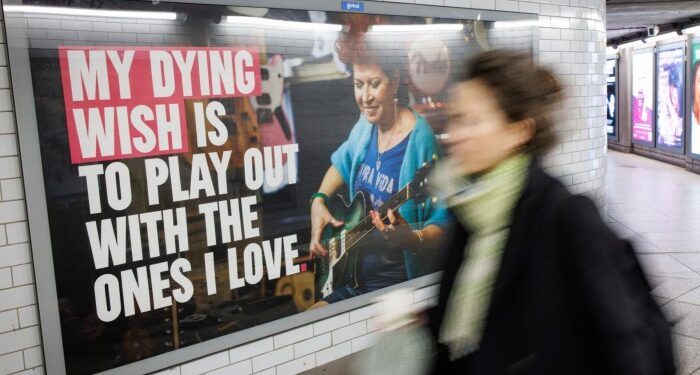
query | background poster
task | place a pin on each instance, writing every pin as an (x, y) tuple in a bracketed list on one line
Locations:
[(670, 101), (179, 155), (695, 99), (611, 101), (642, 96)]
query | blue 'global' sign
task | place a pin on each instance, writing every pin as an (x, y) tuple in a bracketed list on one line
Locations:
[(353, 6)]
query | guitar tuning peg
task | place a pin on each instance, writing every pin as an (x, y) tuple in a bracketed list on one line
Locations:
[(424, 164), (434, 156), (422, 205), (434, 199)]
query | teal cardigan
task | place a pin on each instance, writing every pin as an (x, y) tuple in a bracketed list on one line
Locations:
[(422, 148)]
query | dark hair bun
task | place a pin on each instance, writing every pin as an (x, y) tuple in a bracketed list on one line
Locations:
[(548, 83)]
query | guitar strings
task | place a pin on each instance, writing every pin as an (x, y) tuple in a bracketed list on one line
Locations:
[(350, 239), (366, 226)]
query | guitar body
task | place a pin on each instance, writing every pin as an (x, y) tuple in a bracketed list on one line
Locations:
[(336, 269)]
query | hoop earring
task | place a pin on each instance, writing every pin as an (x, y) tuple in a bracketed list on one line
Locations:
[(396, 107)]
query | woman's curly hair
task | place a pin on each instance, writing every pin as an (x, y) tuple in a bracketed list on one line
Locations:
[(357, 45)]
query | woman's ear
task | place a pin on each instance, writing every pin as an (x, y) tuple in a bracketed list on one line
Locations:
[(523, 131)]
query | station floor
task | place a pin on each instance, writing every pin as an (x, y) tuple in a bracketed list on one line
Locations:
[(657, 206)]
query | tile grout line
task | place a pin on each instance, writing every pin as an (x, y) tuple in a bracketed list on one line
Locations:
[(689, 303), (683, 263), (686, 336)]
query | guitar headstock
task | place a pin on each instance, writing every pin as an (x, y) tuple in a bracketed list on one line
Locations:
[(419, 184), (417, 189)]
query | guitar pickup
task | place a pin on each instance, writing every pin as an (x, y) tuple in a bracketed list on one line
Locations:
[(264, 99), (230, 124), (264, 116), (229, 105)]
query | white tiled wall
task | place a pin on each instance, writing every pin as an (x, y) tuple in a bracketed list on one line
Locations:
[(303, 348), (571, 42)]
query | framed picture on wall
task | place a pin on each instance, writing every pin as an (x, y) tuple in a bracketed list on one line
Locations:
[(694, 100), (670, 91), (643, 97), (171, 162), (611, 98)]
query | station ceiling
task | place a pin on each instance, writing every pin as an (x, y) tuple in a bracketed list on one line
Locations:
[(625, 18)]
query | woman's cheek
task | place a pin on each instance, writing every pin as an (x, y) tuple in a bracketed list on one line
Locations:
[(466, 149)]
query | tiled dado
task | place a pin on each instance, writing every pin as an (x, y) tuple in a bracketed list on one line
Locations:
[(303, 348)]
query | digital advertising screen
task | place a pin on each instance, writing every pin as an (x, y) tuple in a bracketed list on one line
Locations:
[(670, 86), (182, 148), (611, 98), (695, 99), (643, 96)]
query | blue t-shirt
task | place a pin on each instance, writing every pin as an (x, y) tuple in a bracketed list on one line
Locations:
[(380, 263)]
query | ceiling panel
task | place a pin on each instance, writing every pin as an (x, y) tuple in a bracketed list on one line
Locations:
[(625, 17)]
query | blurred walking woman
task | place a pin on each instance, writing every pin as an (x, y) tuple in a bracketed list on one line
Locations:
[(535, 282)]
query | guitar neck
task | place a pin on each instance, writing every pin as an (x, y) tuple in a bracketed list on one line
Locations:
[(353, 236)]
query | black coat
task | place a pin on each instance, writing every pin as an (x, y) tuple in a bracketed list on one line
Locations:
[(569, 297)]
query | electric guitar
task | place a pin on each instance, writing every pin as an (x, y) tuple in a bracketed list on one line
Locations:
[(332, 270), (269, 103)]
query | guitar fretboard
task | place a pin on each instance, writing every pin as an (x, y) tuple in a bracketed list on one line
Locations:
[(353, 236)]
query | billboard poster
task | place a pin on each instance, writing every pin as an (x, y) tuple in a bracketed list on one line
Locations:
[(643, 96), (695, 99), (179, 156), (611, 101), (670, 101)]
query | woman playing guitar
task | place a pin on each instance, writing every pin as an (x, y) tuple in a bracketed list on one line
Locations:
[(385, 148)]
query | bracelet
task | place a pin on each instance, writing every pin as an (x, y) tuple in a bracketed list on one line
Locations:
[(420, 237), (318, 194)]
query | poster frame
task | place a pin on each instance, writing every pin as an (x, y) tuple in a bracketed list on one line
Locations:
[(651, 143), (616, 134), (37, 210), (694, 39), (661, 48)]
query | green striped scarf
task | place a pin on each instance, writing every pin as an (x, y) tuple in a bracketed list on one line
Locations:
[(484, 205)]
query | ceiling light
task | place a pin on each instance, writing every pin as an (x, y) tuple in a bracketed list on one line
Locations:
[(661, 37), (426, 27), (89, 12), (691, 30), (636, 43), (282, 24), (514, 24)]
